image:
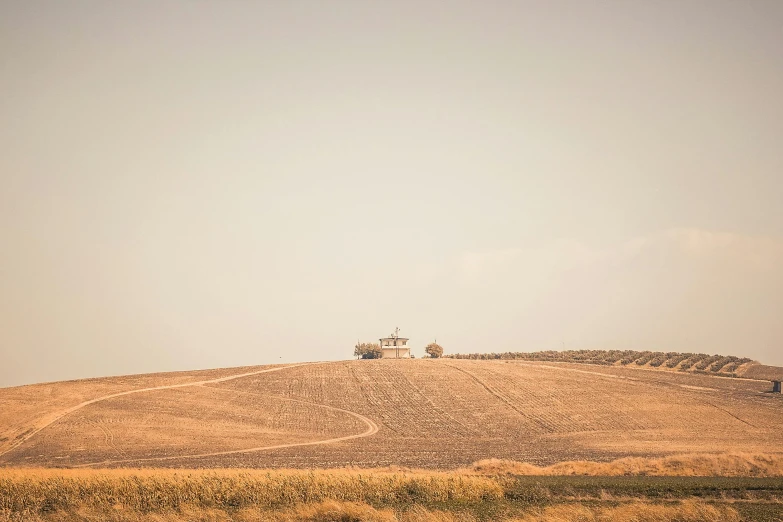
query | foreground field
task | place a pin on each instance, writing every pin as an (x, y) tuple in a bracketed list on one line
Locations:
[(413, 496), (437, 414)]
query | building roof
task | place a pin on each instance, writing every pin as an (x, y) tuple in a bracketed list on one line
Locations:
[(392, 338)]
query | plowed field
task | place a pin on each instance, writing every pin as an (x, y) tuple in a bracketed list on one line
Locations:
[(417, 413)]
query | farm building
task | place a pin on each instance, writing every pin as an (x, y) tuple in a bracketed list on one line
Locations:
[(395, 347)]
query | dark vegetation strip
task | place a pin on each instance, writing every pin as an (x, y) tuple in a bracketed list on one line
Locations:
[(545, 489), (493, 511), (725, 365)]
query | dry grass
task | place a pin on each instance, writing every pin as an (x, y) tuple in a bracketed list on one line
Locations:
[(332, 511), (689, 511), (438, 414), (349, 495), (694, 465), (155, 490)]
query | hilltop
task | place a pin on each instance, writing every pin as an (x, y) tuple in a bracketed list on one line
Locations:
[(437, 414)]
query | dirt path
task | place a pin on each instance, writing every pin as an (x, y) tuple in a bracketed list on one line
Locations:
[(53, 417), (372, 429)]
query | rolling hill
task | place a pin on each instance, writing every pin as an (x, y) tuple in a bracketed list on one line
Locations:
[(372, 413)]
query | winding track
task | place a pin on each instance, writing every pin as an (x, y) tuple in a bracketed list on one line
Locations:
[(372, 429), (53, 417)]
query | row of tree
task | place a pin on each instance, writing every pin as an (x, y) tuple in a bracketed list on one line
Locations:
[(373, 350), (693, 362)]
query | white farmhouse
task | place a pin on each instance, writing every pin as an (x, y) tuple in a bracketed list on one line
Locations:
[(395, 347)]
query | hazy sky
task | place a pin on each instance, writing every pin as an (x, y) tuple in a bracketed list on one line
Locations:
[(198, 184)]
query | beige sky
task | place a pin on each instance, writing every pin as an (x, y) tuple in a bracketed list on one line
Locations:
[(197, 184)]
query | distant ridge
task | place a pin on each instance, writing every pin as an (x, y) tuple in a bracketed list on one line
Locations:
[(763, 372), (724, 365)]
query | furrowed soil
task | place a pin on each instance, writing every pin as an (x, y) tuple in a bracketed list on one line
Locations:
[(433, 414)]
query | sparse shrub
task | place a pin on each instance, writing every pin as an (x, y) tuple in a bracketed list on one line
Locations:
[(630, 357), (367, 350), (733, 366), (434, 350), (676, 359), (613, 356), (720, 363), (691, 361), (644, 358), (707, 362)]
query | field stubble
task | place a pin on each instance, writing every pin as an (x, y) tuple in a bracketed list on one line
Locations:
[(426, 414), (366, 495)]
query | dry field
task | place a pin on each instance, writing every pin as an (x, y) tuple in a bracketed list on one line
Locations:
[(436, 414)]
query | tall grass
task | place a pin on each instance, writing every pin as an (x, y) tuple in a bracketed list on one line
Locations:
[(690, 465), (386, 495), (153, 490), (333, 511), (689, 511)]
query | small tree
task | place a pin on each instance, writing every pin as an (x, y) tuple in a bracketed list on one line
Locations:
[(367, 350), (434, 350)]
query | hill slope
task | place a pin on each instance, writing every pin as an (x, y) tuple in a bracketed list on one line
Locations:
[(422, 413)]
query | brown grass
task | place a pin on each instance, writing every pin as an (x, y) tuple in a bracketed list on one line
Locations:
[(693, 465), (688, 511), (334, 511), (139, 490), (163, 495)]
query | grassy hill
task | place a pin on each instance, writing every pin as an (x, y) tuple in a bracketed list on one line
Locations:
[(438, 414)]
